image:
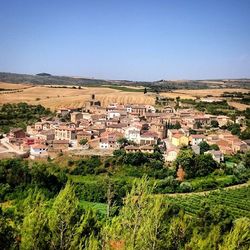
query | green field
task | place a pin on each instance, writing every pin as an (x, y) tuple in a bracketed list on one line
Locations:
[(212, 182), (237, 201)]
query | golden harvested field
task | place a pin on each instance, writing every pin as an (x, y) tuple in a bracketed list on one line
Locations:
[(239, 106), (67, 97), (4, 85), (62, 97)]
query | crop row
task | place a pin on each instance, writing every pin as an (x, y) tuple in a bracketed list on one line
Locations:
[(236, 201)]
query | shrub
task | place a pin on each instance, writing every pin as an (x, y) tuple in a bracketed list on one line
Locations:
[(185, 187)]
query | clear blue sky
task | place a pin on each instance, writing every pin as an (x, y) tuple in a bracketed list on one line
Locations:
[(126, 39)]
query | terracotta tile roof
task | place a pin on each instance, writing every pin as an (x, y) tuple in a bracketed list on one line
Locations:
[(150, 134)]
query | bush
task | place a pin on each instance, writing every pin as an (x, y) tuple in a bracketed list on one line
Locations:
[(4, 189), (185, 187), (168, 185), (135, 159), (241, 172), (214, 124), (83, 141)]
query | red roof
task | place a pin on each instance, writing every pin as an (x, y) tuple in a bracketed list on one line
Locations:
[(150, 134), (178, 135)]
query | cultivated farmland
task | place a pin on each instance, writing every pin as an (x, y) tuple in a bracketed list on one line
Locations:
[(73, 97), (237, 201)]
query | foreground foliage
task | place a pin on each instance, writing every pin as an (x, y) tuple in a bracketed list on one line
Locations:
[(109, 204), (144, 221)]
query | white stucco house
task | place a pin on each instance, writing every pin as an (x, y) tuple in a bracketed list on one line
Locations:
[(133, 134), (195, 140), (216, 154), (171, 154), (38, 151)]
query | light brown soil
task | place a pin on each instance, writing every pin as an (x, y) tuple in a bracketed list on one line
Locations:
[(67, 97), (239, 106), (4, 85)]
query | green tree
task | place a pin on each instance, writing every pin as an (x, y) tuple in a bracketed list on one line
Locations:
[(7, 233), (123, 142), (178, 232), (87, 228), (201, 242), (214, 147), (14, 172), (83, 141), (61, 218), (139, 222), (35, 232), (239, 236), (204, 165), (204, 147), (246, 159), (185, 187), (177, 100), (47, 175), (245, 135), (209, 227), (177, 125), (214, 124), (135, 159), (186, 160), (234, 128)]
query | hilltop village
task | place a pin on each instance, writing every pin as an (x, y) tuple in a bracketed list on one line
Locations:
[(95, 129)]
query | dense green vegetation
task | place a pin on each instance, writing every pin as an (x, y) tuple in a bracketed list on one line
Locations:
[(20, 115), (143, 221), (93, 175), (215, 108), (240, 97), (234, 94), (195, 165)]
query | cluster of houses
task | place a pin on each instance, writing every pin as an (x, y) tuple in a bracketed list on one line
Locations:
[(142, 125)]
